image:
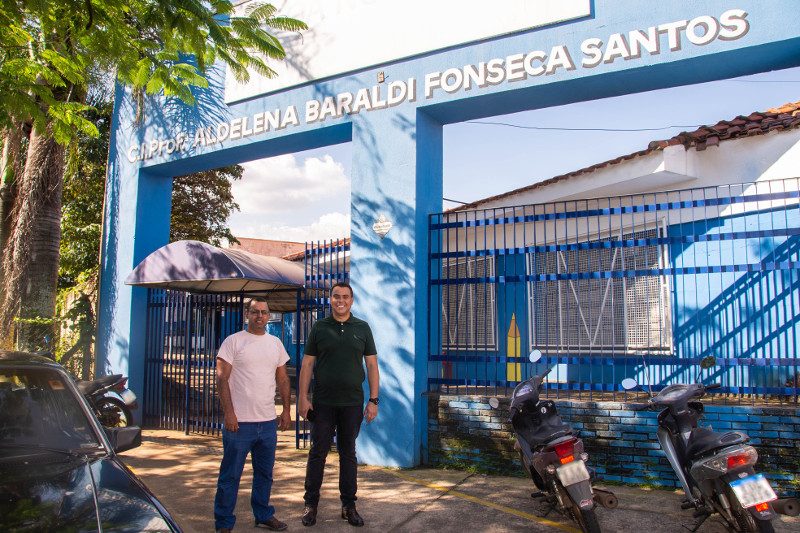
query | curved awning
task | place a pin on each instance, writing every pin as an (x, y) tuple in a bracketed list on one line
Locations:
[(198, 267)]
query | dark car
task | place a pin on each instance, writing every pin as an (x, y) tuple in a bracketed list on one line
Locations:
[(58, 467)]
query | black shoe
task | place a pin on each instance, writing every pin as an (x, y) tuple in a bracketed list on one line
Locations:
[(223, 530), (352, 517), (272, 524), (309, 515)]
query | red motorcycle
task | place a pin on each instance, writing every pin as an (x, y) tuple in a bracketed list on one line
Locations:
[(552, 455)]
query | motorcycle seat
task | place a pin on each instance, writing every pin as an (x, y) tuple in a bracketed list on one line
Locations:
[(88, 387), (541, 424), (551, 433), (704, 440)]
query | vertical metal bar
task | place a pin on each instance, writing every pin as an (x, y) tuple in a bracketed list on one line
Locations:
[(298, 357), (444, 310), (484, 286), (429, 311), (791, 293), (148, 364), (593, 283), (186, 365)]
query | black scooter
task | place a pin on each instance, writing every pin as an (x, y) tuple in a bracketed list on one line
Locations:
[(111, 399), (552, 455), (716, 470)]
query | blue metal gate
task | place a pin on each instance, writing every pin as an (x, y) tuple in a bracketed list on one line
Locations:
[(184, 332)]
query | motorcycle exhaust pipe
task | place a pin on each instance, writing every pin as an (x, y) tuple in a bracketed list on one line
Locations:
[(606, 498), (787, 506)]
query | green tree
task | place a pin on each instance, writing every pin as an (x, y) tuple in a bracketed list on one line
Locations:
[(82, 202), (201, 205), (49, 54)]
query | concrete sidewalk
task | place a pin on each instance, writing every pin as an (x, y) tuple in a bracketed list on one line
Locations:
[(182, 471)]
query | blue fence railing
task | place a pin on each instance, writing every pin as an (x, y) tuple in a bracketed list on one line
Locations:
[(184, 332), (640, 286)]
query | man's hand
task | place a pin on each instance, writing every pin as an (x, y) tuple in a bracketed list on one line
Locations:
[(370, 412), (285, 420), (231, 422), (303, 407), (224, 370), (303, 383)]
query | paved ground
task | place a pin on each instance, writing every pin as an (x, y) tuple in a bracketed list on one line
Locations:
[(182, 471)]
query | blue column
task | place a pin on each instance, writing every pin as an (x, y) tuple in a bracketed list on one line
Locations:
[(136, 222), (397, 173)]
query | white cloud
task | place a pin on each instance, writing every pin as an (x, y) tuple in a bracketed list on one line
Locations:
[(329, 226), (279, 184)]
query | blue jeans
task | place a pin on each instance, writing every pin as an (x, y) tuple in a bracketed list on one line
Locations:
[(260, 440)]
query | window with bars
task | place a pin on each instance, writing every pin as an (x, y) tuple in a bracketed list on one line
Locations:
[(468, 304), (629, 313)]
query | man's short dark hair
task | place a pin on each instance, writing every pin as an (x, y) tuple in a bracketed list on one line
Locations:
[(345, 285), (257, 299)]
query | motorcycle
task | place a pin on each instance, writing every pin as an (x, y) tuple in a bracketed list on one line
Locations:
[(111, 399), (552, 455), (715, 469)]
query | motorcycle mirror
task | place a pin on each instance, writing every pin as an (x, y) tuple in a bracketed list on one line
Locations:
[(494, 403), (708, 362), (629, 383), (535, 355)]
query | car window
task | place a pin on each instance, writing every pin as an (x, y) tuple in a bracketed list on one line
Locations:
[(37, 408)]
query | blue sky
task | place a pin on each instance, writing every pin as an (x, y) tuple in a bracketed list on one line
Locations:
[(305, 196)]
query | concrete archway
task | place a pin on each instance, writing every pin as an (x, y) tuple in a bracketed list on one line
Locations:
[(393, 113)]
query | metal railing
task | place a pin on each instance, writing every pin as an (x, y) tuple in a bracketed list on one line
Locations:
[(641, 286), (184, 333)]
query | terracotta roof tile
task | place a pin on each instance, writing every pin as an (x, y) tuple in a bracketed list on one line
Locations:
[(301, 254), (782, 118)]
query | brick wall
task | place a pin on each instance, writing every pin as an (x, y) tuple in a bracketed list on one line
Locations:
[(465, 432)]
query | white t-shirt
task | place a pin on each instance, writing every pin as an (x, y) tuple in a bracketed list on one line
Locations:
[(254, 359)]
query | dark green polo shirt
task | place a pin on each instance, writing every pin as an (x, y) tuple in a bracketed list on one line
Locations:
[(340, 348)]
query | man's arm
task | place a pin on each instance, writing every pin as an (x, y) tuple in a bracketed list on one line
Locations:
[(224, 369), (373, 377), (303, 383), (285, 389)]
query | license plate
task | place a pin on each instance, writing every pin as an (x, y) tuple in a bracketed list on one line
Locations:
[(128, 397), (753, 490), (572, 472)]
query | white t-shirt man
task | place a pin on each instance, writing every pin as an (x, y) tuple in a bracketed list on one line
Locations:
[(254, 359)]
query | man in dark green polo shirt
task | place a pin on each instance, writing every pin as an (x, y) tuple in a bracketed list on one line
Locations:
[(340, 345)]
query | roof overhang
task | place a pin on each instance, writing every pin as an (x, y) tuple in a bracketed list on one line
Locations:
[(197, 267)]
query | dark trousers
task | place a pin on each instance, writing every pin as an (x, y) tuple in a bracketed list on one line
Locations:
[(346, 422)]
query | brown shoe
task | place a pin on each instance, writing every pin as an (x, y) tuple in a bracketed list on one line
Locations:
[(309, 515), (352, 517), (273, 524), (223, 530)]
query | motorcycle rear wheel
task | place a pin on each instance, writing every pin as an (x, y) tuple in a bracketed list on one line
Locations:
[(113, 413), (586, 519), (744, 519)]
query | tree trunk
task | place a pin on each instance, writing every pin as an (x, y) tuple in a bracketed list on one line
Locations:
[(34, 244), (9, 172)]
